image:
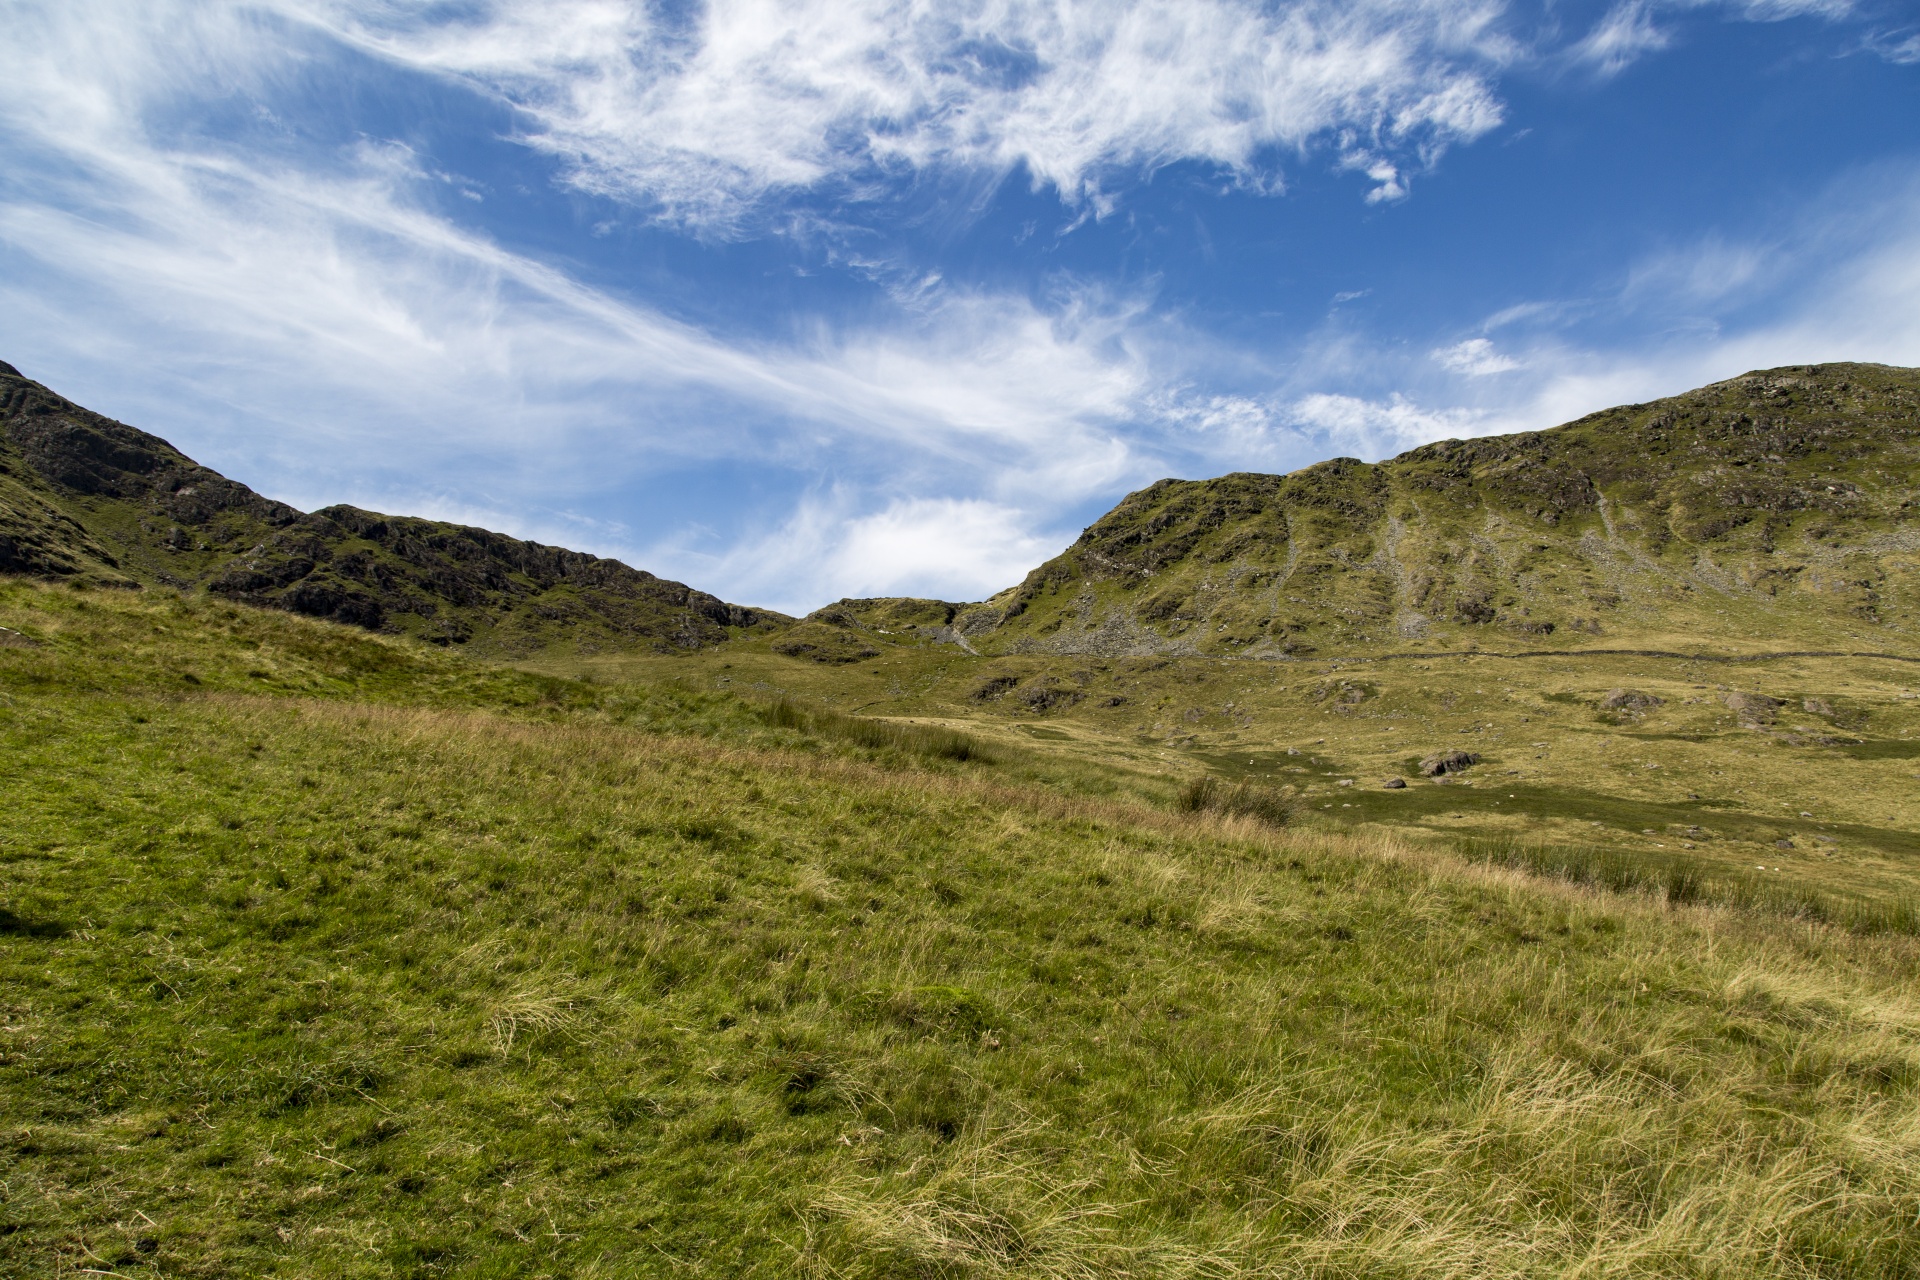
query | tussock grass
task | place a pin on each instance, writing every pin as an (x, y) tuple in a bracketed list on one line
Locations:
[(928, 741), (1676, 878), (308, 985), (1267, 805)]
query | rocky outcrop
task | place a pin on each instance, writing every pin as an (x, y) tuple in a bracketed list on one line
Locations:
[(1445, 762), (1754, 710)]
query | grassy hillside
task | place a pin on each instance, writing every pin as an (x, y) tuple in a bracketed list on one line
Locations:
[(1781, 506), (1678, 638), (83, 496), (332, 954), (1784, 777)]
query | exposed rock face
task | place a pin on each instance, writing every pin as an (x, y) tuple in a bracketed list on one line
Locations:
[(81, 494), (1048, 694), (1445, 762), (1342, 695)]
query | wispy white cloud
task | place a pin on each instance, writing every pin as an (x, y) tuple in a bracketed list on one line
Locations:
[(331, 336), (1631, 29), (1475, 357), (1778, 10), (1372, 429), (704, 117), (439, 353), (1389, 183), (1901, 47), (1711, 270), (1621, 38)]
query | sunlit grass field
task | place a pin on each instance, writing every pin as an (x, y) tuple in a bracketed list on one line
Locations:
[(1818, 799), (327, 955)]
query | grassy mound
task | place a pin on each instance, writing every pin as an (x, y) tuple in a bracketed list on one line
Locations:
[(326, 955)]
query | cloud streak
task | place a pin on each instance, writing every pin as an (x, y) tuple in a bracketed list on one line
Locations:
[(1621, 38), (705, 118), (370, 349)]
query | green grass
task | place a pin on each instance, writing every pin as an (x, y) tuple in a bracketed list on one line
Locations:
[(1883, 750), (926, 741), (386, 964), (1678, 878), (1553, 773), (1266, 805)]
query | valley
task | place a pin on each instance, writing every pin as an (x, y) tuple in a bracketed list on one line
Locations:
[(1503, 860), (1685, 778)]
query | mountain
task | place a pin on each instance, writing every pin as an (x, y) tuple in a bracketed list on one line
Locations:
[(1781, 506), (83, 496)]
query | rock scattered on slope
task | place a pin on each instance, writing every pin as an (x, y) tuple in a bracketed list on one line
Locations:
[(1631, 701), (993, 688), (1444, 762), (1753, 709), (1394, 784), (1048, 694), (829, 635)]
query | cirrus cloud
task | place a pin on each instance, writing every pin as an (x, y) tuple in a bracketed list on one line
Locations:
[(303, 309), (1476, 357), (701, 117)]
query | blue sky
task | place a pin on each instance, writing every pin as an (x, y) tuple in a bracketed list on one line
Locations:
[(853, 297)]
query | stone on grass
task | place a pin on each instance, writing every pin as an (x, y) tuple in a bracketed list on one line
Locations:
[(1753, 708), (1442, 762)]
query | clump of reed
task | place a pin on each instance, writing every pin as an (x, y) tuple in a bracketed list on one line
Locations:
[(1269, 806)]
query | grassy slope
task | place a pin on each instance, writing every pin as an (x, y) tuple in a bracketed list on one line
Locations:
[(1682, 783), (349, 958), (1343, 622), (1772, 510)]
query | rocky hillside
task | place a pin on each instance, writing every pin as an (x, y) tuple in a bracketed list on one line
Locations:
[(1778, 507), (84, 496)]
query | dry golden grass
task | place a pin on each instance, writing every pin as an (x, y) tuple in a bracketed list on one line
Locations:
[(325, 986)]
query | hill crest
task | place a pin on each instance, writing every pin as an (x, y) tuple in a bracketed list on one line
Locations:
[(82, 495), (1778, 503)]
